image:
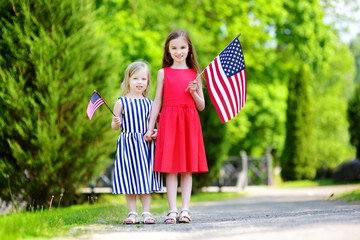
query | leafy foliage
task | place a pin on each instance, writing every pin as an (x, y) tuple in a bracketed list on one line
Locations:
[(331, 91), (48, 71)]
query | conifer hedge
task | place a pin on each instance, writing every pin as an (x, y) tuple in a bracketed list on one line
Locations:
[(354, 120), (51, 61), (298, 161)]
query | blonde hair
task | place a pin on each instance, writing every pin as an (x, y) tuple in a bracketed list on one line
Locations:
[(131, 70)]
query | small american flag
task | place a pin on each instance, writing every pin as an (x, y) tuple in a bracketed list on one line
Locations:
[(95, 102), (226, 81)]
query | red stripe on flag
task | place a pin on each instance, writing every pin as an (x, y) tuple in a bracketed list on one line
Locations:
[(245, 84), (221, 100), (238, 96), (234, 97), (98, 103), (227, 94), (241, 82), (212, 96), (209, 71), (243, 92)]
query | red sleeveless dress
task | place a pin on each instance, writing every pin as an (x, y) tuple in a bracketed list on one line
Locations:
[(179, 144)]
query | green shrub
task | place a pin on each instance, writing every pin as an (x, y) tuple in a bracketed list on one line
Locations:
[(51, 61)]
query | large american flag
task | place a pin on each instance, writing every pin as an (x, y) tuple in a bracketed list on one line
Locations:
[(95, 102), (226, 81)]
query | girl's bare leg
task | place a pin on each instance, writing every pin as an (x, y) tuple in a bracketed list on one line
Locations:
[(131, 204), (171, 185), (186, 187), (146, 202)]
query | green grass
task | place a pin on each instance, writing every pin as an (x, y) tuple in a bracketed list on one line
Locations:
[(108, 210), (305, 183), (349, 196), (47, 224)]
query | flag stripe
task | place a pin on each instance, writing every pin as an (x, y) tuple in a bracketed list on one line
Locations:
[(220, 86), (243, 88), (235, 87), (245, 83), (238, 76), (214, 95), (219, 96), (226, 88), (235, 78), (230, 92)]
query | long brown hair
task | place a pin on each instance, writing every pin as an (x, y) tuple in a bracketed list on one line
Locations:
[(191, 59)]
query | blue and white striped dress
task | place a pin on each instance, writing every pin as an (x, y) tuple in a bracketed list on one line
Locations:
[(134, 160)]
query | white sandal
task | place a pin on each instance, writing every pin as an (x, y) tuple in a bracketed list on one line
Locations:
[(170, 219), (184, 216), (130, 220), (149, 219)]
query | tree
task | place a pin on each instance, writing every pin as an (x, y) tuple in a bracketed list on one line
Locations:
[(304, 40), (51, 60), (354, 119), (331, 92), (298, 155), (354, 103), (355, 49)]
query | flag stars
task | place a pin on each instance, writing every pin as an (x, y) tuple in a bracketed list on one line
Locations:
[(232, 58)]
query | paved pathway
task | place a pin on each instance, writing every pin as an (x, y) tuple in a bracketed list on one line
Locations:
[(267, 213)]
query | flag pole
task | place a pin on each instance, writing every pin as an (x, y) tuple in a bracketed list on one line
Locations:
[(105, 103), (204, 68)]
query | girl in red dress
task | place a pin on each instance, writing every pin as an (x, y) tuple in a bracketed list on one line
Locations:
[(180, 146)]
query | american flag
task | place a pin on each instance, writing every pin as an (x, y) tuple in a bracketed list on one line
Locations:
[(95, 102), (226, 81)]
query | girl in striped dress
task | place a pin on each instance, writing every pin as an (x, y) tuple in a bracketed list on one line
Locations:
[(134, 161)]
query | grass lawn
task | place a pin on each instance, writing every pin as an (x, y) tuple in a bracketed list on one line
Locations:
[(349, 196), (305, 183), (107, 209)]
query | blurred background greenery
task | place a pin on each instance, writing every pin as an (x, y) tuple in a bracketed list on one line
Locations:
[(303, 85)]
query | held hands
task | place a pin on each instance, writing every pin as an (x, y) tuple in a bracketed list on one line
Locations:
[(154, 135), (150, 135)]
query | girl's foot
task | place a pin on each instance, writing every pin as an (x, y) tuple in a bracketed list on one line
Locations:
[(171, 217), (184, 216), (131, 218), (148, 218)]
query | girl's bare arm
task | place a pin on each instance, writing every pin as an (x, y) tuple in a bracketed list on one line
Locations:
[(116, 120), (155, 108)]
